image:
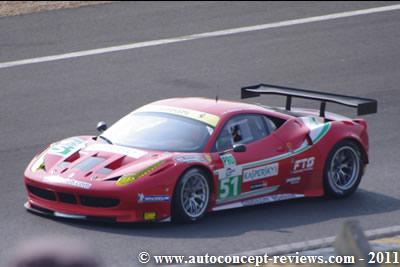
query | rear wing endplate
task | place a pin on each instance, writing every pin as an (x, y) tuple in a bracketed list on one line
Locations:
[(364, 105)]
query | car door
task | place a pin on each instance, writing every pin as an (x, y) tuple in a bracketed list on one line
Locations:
[(258, 171)]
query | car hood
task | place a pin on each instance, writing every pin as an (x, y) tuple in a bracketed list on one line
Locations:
[(83, 158)]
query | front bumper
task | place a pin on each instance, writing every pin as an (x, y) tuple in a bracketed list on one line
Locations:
[(95, 204)]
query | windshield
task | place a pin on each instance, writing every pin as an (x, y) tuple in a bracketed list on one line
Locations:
[(159, 131)]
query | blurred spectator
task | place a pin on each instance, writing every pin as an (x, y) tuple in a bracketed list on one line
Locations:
[(54, 252)]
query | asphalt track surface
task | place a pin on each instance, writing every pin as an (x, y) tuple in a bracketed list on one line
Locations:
[(45, 102)]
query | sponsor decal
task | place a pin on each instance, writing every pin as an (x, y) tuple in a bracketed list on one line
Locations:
[(60, 180), (66, 147), (301, 165), (230, 178), (228, 160), (130, 152), (131, 178), (188, 113), (191, 158), (293, 180), (260, 172), (230, 171), (141, 198), (229, 187), (230, 167)]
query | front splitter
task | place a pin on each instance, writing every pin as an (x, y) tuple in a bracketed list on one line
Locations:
[(50, 213), (47, 212)]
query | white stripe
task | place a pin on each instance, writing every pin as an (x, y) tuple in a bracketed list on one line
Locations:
[(130, 152), (199, 36), (68, 216)]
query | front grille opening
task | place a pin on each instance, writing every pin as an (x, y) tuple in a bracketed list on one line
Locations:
[(98, 202), (42, 193), (67, 198)]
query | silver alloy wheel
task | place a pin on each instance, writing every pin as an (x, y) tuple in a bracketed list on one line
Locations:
[(345, 168), (194, 195)]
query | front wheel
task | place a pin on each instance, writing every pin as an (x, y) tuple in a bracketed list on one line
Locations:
[(343, 169), (191, 196)]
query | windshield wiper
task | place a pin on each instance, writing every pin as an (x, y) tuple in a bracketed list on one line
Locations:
[(105, 139)]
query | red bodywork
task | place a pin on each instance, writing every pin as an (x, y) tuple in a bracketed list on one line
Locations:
[(296, 150)]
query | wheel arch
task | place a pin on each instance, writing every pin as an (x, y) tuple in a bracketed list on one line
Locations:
[(357, 142), (206, 170), (176, 213), (340, 131), (340, 143)]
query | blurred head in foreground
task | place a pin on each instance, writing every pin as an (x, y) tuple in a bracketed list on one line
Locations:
[(54, 252)]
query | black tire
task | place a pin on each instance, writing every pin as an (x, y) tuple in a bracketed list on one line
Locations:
[(180, 212), (336, 172)]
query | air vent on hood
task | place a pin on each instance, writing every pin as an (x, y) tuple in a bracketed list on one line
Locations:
[(73, 157), (88, 163), (104, 171), (122, 161), (64, 164)]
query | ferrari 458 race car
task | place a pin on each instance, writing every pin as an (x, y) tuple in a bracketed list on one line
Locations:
[(181, 158)]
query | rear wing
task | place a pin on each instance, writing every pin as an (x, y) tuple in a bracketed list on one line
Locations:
[(364, 105)]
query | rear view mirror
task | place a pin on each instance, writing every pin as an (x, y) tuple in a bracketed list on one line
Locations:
[(101, 126), (239, 148)]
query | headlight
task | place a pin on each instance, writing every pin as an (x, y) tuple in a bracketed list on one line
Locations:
[(126, 179), (38, 163)]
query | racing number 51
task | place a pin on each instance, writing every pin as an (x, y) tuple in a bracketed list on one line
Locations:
[(230, 187)]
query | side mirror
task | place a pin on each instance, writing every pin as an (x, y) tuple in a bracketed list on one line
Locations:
[(239, 148), (101, 126)]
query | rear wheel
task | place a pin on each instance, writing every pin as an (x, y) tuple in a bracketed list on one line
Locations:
[(343, 169), (191, 196)]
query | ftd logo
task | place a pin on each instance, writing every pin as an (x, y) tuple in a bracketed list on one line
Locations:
[(303, 164)]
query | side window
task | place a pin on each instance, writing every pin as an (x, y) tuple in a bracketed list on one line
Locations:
[(243, 129), (271, 124)]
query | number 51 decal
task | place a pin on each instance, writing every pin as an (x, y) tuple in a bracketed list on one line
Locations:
[(229, 187)]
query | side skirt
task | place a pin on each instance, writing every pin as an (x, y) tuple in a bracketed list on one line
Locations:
[(257, 201)]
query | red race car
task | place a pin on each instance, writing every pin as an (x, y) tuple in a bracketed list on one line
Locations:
[(181, 158)]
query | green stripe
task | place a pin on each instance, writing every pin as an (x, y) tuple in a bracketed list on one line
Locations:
[(323, 132)]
